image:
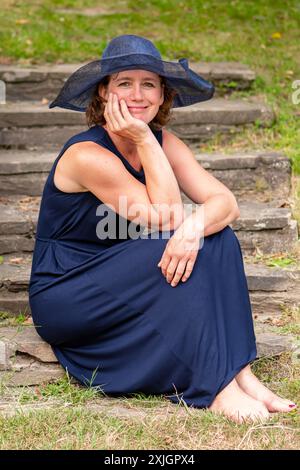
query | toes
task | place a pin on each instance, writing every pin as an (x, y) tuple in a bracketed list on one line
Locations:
[(289, 403), (265, 415), (279, 405), (252, 418), (261, 413)]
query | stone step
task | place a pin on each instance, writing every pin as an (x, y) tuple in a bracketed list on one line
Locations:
[(260, 226), (18, 219), (257, 176), (24, 172), (270, 289), (262, 176), (31, 125), (268, 229), (25, 359), (38, 82)]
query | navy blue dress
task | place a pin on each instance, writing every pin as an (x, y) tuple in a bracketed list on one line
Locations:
[(114, 321)]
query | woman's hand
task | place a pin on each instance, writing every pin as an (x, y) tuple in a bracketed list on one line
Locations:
[(178, 259), (121, 122)]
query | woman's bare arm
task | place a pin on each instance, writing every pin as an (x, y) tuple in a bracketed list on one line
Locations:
[(161, 183), (101, 172)]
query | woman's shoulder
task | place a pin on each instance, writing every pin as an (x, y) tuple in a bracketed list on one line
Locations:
[(169, 136), (65, 169), (170, 140), (167, 132)]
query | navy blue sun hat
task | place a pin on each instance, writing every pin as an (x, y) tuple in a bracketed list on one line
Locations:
[(128, 52)]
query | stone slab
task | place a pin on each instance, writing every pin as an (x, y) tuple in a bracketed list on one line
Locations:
[(25, 359), (44, 81), (260, 176)]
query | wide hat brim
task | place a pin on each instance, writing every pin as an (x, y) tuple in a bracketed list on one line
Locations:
[(78, 90)]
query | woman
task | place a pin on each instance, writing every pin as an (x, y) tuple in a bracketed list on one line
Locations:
[(141, 313)]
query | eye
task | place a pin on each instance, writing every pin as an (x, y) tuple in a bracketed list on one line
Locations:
[(148, 83)]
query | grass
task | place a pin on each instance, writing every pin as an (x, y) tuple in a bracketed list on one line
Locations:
[(289, 261), (75, 417), (22, 318), (287, 323)]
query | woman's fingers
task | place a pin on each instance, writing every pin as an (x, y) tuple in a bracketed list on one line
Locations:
[(171, 269), (116, 111), (179, 272), (107, 117), (188, 269), (121, 120), (112, 113), (125, 110), (164, 264), (107, 113)]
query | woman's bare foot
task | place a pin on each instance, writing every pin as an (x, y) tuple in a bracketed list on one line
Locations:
[(238, 406), (250, 384)]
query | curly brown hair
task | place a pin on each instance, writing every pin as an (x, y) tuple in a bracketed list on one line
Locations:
[(95, 109)]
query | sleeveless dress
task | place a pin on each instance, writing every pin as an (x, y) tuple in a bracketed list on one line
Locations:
[(112, 319)]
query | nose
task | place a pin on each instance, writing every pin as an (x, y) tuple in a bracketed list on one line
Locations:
[(137, 92)]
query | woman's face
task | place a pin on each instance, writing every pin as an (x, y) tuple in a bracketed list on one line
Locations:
[(141, 90)]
